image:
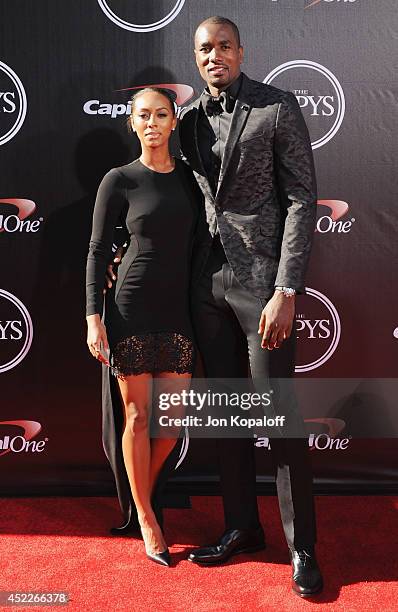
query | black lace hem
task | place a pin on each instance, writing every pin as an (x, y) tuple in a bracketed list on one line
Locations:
[(153, 352)]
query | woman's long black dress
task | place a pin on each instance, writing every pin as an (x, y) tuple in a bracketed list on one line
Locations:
[(147, 312)]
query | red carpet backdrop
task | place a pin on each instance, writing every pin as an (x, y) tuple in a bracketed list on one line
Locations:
[(67, 70)]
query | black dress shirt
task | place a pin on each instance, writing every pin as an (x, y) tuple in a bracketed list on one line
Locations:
[(213, 128)]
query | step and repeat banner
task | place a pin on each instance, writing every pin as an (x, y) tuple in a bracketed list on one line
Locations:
[(67, 70)]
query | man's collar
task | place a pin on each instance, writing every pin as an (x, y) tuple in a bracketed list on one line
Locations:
[(233, 89), (227, 97)]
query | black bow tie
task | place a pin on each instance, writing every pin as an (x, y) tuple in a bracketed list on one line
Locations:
[(214, 106)]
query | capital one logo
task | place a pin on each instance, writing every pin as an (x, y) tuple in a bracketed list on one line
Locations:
[(19, 222), (95, 107), (126, 22), (319, 94), (327, 440), (17, 437), (331, 219), (318, 330), (16, 331), (13, 103)]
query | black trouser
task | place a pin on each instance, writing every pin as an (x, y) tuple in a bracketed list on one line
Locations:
[(226, 318)]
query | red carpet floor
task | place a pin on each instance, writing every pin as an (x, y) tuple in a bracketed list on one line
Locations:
[(62, 544)]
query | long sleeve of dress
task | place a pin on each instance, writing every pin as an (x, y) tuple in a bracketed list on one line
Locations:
[(108, 206)]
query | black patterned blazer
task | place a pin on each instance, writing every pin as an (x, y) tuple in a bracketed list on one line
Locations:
[(265, 201)]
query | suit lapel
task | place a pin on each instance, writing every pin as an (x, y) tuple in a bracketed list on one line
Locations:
[(202, 179), (238, 121)]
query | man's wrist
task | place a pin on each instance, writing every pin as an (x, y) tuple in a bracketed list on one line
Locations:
[(288, 292)]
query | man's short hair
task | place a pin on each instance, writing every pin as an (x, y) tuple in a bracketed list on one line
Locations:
[(225, 21)]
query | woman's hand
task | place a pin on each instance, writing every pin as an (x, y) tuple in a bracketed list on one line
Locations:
[(97, 340)]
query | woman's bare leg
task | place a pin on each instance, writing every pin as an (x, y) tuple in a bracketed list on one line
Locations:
[(161, 447), (136, 396)]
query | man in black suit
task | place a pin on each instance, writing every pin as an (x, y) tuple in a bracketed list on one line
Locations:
[(249, 149)]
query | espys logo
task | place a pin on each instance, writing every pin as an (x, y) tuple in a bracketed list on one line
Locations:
[(126, 22), (318, 330), (15, 442), (319, 441), (16, 331), (95, 107), (11, 222), (318, 93), (314, 2), (331, 222), (13, 103)]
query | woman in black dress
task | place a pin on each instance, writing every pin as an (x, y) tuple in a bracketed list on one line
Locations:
[(147, 335)]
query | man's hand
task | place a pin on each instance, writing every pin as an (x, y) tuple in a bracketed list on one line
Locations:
[(110, 276), (276, 320)]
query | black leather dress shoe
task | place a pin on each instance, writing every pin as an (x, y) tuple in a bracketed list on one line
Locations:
[(232, 542), (307, 578)]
